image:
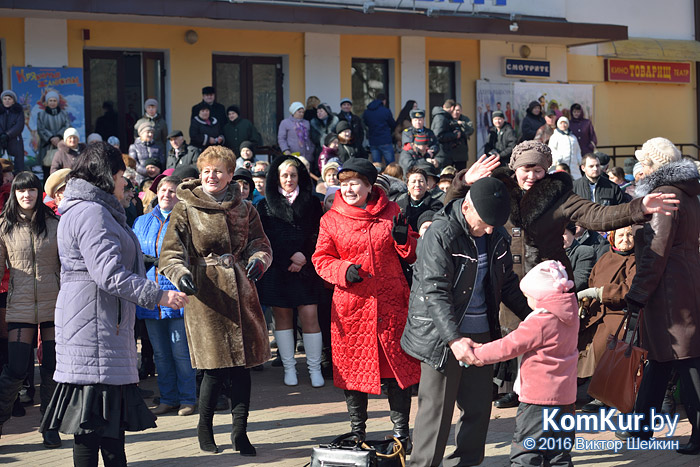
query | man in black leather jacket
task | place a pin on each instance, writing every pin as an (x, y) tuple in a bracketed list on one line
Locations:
[(463, 271)]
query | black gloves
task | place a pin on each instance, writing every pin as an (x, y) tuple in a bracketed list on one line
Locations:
[(353, 273), (4, 141), (255, 269), (150, 261), (400, 229), (186, 285), (634, 307)]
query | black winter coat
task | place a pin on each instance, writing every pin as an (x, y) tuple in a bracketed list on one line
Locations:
[(606, 192), (12, 124), (200, 132), (290, 228), (218, 111), (531, 123), (358, 130), (502, 141), (443, 279), (413, 210), (188, 155), (446, 134)]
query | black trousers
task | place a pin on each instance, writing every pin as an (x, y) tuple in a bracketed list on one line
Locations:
[(87, 448), (471, 389), (529, 424), (653, 387)]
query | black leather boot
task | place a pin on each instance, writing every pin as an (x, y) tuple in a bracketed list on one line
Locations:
[(357, 408), (399, 412), (208, 395), (239, 392), (12, 377), (52, 439)]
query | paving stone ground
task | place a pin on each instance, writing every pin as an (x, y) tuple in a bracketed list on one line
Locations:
[(285, 424)]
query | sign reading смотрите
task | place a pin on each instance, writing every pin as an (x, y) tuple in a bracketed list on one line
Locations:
[(526, 68), (644, 71)]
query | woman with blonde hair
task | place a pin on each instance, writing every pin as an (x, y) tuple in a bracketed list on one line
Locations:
[(214, 251)]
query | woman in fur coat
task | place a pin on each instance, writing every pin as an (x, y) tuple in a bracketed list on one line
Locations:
[(214, 250), (543, 204), (290, 215), (665, 288)]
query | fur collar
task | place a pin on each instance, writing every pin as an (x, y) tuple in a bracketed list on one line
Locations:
[(14, 108), (192, 193), (277, 204), (674, 173), (528, 206)]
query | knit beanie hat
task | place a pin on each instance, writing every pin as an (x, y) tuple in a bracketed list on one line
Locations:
[(383, 182), (145, 126), (329, 166), (113, 141), (562, 119), (247, 144), (342, 126), (330, 137), (547, 278), (491, 200), (153, 161), (150, 101), (9, 92), (94, 138), (233, 108), (421, 139), (637, 169), (70, 132), (659, 150), (531, 153), (296, 105), (51, 95)]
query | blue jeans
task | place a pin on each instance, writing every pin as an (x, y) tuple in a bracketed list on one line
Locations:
[(176, 377), (385, 150)]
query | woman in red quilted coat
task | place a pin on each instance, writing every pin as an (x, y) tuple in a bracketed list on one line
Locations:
[(360, 242)]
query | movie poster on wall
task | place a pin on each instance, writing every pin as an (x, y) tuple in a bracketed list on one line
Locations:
[(489, 97), (557, 97), (31, 85)]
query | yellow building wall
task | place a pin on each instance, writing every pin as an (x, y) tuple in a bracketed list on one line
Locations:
[(380, 47), (190, 65), (631, 113), (12, 31), (466, 54)]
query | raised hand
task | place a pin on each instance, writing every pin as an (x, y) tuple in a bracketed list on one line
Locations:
[(661, 203), (482, 168)]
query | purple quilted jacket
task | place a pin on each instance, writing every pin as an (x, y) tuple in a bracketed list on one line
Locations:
[(102, 280)]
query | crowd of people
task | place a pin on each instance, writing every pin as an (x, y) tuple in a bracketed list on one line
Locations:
[(393, 259)]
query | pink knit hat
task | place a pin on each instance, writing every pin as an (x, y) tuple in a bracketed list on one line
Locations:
[(547, 278)]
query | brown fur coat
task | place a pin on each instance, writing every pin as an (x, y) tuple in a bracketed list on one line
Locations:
[(224, 322)]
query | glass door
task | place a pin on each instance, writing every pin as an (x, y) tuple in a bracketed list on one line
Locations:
[(255, 85), (116, 85)]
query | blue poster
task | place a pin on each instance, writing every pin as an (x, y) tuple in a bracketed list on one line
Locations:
[(31, 85)]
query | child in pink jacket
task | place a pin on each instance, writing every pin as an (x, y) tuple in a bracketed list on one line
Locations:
[(547, 340)]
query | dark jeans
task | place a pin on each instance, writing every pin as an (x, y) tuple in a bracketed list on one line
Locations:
[(529, 424), (86, 449)]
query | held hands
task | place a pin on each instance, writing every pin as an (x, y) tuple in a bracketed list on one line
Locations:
[(482, 168), (255, 269), (399, 231), (593, 293), (298, 261), (186, 285), (173, 299), (352, 275), (463, 350), (661, 203)]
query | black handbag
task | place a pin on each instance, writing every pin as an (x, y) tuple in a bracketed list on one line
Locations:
[(350, 450)]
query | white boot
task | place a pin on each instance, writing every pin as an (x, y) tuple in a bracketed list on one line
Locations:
[(285, 347), (313, 343)]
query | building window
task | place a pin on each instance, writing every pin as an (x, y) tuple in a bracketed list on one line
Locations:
[(370, 77), (441, 82)]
